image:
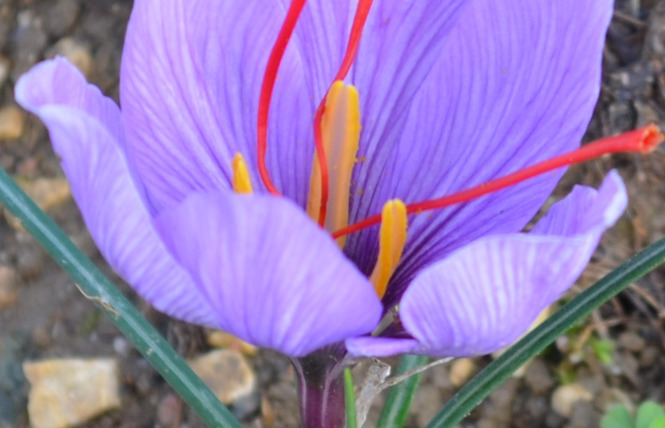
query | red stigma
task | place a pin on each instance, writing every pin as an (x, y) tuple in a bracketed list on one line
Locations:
[(268, 86), (643, 141)]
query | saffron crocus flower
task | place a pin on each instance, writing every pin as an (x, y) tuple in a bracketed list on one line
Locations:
[(442, 96)]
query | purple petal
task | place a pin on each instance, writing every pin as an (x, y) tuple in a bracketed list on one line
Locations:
[(191, 76), (273, 277), (486, 294), (87, 135), (380, 346), (515, 84), (320, 38), (401, 43)]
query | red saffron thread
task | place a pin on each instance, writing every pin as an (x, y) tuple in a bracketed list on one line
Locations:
[(642, 140), (268, 86)]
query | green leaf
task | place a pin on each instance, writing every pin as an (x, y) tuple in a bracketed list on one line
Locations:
[(398, 403), (618, 417), (647, 413), (659, 422), (530, 345), (100, 290), (349, 400)]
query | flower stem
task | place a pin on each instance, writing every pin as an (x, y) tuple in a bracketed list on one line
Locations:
[(321, 389)]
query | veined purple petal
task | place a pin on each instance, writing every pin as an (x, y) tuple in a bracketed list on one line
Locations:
[(403, 41), (486, 294), (320, 38), (515, 84), (190, 82), (380, 346), (272, 276), (400, 43), (87, 134)]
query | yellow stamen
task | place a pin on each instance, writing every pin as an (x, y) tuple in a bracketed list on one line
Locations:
[(392, 238), (241, 182), (340, 129)]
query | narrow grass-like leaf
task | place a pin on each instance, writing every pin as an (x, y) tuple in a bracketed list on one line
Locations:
[(398, 403), (103, 293), (577, 309), (350, 400)]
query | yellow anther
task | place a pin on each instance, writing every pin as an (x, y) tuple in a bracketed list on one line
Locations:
[(340, 129), (392, 238), (241, 182)]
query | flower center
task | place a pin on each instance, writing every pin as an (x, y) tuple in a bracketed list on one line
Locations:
[(268, 85)]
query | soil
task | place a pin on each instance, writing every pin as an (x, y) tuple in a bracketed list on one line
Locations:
[(616, 355)]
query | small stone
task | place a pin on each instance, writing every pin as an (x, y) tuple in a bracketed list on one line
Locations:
[(8, 281), (77, 52), (41, 338), (427, 403), (69, 392), (537, 407), (12, 122), (610, 397), (583, 416), (30, 257), (649, 356), (538, 377), (121, 346), (497, 410), (565, 397), (631, 341), (268, 415), (46, 192), (227, 373), (461, 371), (627, 365), (224, 340), (62, 16), (29, 41), (169, 411), (5, 69)]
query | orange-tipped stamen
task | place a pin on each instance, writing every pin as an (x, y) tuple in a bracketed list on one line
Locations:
[(642, 140), (242, 184), (340, 127), (268, 86), (359, 20), (392, 238)]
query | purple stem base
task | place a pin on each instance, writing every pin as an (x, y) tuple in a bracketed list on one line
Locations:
[(321, 388)]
